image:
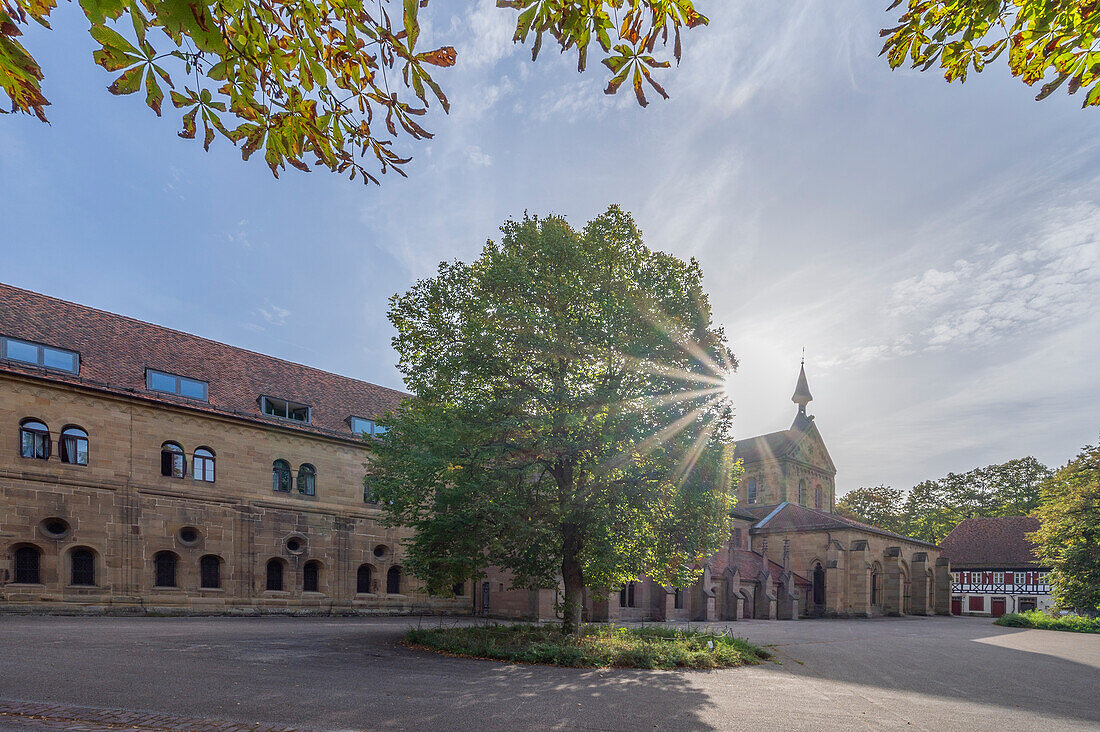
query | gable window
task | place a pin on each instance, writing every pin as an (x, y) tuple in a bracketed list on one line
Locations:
[(82, 568), (284, 409), (817, 497), (802, 495), (165, 565), (752, 490), (73, 446), (173, 462), (34, 440), (210, 572), (202, 464), (367, 427), (311, 577), (35, 354), (180, 385), (280, 476), (28, 562), (274, 575)]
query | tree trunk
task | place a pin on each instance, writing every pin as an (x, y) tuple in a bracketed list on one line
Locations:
[(573, 576)]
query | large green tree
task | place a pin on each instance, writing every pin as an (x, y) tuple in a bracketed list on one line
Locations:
[(327, 81), (1068, 538), (569, 421), (879, 506)]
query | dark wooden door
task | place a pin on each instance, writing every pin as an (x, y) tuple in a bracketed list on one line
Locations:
[(956, 606), (998, 607)]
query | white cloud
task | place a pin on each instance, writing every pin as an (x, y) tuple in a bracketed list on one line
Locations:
[(273, 314)]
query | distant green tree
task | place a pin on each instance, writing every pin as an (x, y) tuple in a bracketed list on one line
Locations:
[(928, 514), (879, 506), (1068, 538), (568, 423)]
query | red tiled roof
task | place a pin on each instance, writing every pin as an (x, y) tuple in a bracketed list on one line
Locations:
[(795, 517), (992, 543), (115, 351), (748, 563)]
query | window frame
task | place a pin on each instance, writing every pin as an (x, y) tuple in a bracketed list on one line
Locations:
[(34, 571), (752, 490), (359, 583), (264, 401), (43, 442), (306, 480), (182, 455), (206, 457), (390, 580), (279, 576), (311, 576), (178, 391), (277, 473), (65, 438), (167, 562), (40, 356), (210, 566)]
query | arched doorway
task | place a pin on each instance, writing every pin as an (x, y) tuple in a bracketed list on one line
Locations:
[(819, 589)]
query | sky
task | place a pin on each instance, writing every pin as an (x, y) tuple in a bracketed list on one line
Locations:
[(933, 247)]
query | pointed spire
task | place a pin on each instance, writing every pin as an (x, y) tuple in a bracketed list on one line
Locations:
[(802, 395)]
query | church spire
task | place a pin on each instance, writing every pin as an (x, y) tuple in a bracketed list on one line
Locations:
[(802, 395)]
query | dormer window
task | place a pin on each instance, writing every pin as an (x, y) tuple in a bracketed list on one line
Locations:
[(367, 427), (180, 385), (284, 409), (35, 354)]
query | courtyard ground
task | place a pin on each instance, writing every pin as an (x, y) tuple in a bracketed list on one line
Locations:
[(59, 673)]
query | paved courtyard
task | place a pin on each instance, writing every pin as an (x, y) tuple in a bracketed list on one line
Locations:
[(61, 673)]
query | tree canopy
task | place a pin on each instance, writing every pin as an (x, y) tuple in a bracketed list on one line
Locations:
[(930, 509), (332, 81), (569, 423), (1052, 40), (1068, 538)]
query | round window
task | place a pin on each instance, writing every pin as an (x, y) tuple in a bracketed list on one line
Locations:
[(381, 550), (189, 535), (55, 528), (294, 544)]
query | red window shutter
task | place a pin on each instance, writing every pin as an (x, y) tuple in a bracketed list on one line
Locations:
[(1009, 578)]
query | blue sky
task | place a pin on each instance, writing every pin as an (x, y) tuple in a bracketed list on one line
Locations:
[(934, 247)]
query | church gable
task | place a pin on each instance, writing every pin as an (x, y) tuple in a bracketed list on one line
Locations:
[(808, 448)]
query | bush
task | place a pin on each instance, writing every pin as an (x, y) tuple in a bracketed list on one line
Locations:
[(598, 646), (1043, 621)]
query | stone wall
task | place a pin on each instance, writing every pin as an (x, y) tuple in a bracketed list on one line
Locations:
[(125, 512)]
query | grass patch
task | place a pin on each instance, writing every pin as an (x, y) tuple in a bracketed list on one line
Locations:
[(599, 646), (1043, 621)]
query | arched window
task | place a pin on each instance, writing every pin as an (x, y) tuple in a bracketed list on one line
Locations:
[(274, 575), (393, 581), (73, 446), (362, 579), (751, 490), (311, 577), (210, 572), (28, 565), (34, 440), (173, 462), (818, 504), (307, 480), (626, 595), (165, 565), (202, 464), (819, 585), (803, 496), (280, 476), (875, 590), (82, 566), (678, 599)]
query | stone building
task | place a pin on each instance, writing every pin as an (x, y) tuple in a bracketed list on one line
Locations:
[(143, 468), (994, 568), (788, 556)]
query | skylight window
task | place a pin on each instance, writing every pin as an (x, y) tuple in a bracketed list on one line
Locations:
[(35, 354), (284, 409), (172, 384), (368, 427)]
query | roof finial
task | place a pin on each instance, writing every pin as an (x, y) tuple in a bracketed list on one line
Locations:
[(802, 395)]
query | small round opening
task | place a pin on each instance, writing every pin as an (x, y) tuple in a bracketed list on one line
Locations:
[(55, 527), (189, 534), (294, 545), (381, 550)]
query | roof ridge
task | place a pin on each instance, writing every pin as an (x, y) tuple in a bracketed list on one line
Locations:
[(198, 337)]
